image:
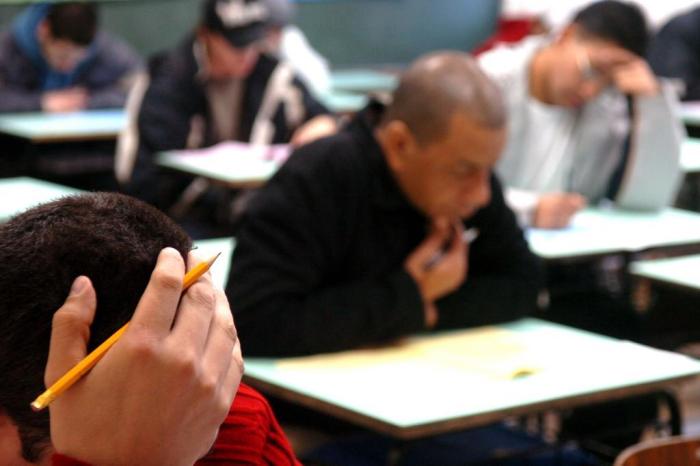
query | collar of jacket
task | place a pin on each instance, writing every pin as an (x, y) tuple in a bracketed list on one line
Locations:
[(386, 192)]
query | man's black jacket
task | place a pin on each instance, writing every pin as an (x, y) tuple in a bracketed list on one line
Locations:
[(318, 265)]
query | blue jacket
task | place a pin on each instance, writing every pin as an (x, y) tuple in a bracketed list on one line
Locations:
[(25, 75)]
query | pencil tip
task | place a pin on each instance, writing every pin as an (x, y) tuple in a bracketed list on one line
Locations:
[(37, 406)]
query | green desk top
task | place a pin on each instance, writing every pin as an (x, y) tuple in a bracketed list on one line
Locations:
[(52, 127), (690, 156), (432, 384), (690, 113), (223, 163), (19, 194), (343, 102), (679, 271), (362, 81), (207, 248), (596, 231)]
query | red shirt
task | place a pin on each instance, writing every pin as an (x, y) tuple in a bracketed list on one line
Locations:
[(250, 435)]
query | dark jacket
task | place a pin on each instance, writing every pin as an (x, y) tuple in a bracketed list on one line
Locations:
[(25, 76), (318, 264), (175, 104), (675, 52)]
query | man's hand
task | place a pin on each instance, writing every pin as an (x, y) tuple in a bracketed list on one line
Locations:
[(628, 72), (316, 128), (162, 391), (65, 100), (438, 265), (636, 78), (555, 210)]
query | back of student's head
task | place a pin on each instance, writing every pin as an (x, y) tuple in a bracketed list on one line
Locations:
[(436, 86), (75, 22), (621, 23), (110, 238)]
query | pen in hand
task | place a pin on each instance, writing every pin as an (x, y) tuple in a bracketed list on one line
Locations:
[(468, 236)]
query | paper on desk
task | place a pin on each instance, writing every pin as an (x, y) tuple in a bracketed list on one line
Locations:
[(275, 153), (598, 230), (489, 352)]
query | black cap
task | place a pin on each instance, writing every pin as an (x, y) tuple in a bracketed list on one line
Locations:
[(241, 22)]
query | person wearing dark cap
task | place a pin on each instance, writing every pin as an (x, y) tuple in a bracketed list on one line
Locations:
[(54, 59), (286, 41), (218, 85), (588, 118)]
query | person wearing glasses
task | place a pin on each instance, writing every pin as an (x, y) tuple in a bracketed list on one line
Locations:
[(588, 119)]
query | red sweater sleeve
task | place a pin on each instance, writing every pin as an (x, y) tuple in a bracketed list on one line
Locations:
[(250, 435)]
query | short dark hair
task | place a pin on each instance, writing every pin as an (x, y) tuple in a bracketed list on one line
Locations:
[(112, 239), (73, 21), (438, 85), (621, 23)]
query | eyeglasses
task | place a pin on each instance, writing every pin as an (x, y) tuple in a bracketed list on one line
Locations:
[(584, 65)]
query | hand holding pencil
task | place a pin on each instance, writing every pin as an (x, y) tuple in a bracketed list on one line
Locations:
[(439, 264), (160, 394)]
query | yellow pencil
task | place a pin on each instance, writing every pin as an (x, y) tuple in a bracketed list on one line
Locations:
[(80, 369)]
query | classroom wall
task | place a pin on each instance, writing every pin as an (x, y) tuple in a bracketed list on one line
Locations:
[(348, 32)]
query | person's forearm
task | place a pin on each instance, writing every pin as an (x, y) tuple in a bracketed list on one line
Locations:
[(657, 135), (18, 100)]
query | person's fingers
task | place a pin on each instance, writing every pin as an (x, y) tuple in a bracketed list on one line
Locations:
[(70, 330), (433, 243), (158, 306), (222, 337), (457, 241), (196, 312), (234, 375), (610, 59)]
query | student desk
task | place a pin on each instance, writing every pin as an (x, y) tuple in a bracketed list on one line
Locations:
[(221, 166), (444, 382), (43, 128), (19, 194), (690, 156), (690, 113), (363, 81), (597, 231), (207, 248), (343, 102), (683, 272)]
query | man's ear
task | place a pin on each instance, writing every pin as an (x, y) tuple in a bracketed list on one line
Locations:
[(398, 143)]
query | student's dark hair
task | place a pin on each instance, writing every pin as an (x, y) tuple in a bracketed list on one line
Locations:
[(622, 23), (73, 21), (112, 239), (438, 85)]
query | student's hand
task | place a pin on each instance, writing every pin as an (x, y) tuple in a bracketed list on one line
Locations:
[(316, 128), (161, 392), (636, 78), (629, 73), (65, 100), (439, 268), (555, 210)]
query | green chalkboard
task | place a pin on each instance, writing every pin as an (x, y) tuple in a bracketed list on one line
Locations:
[(348, 33)]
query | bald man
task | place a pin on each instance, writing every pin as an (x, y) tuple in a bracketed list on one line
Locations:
[(360, 237)]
